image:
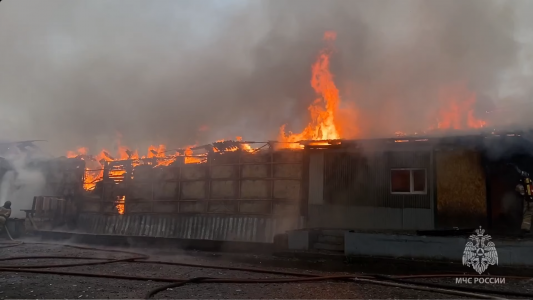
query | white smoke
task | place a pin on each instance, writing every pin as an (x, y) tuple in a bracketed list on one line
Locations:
[(21, 184)]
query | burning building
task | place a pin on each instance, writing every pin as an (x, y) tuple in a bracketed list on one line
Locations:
[(251, 194), (331, 175), (232, 192)]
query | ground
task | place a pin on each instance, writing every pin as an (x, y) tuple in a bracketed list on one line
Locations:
[(33, 286)]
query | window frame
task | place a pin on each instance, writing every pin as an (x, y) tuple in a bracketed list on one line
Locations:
[(411, 181)]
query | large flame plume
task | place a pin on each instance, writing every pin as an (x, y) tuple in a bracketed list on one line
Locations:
[(324, 108)]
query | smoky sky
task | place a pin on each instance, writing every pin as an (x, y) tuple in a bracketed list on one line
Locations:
[(82, 73)]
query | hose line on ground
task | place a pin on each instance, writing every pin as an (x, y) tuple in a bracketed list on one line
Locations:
[(429, 289), (445, 286), (396, 281), (12, 242)]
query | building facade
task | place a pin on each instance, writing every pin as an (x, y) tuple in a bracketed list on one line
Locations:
[(416, 183)]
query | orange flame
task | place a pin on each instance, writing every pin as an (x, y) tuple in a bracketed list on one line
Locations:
[(324, 108), (94, 171), (457, 109), (189, 159), (121, 204)]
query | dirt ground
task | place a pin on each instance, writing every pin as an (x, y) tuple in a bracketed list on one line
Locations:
[(18, 285)]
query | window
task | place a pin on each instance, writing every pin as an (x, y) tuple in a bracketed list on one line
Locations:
[(408, 181)]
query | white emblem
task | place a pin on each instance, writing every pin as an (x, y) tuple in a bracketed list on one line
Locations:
[(480, 252)]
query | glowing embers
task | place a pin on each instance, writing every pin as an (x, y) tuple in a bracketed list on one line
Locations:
[(117, 173), (120, 204), (319, 144)]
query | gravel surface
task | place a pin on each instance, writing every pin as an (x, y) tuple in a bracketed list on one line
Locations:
[(17, 285)]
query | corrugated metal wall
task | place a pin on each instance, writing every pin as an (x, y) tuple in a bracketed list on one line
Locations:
[(356, 179), (356, 190), (201, 227)]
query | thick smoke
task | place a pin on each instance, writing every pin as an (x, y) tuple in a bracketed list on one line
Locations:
[(78, 73), (21, 183)]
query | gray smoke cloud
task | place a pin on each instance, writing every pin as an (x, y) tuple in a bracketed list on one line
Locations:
[(78, 73), (21, 183)]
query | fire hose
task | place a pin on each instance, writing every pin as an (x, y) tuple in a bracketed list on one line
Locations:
[(394, 281)]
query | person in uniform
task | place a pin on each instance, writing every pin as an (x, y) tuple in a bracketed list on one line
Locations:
[(5, 213), (527, 209)]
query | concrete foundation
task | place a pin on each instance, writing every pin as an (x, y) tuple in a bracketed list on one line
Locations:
[(298, 240), (510, 252)]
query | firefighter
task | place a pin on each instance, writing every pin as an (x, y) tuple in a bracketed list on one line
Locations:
[(5, 213), (527, 212)]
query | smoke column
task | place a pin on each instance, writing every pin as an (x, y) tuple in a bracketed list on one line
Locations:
[(78, 73)]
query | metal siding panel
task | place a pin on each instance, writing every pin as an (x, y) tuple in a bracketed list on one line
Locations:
[(242, 228), (224, 235), (417, 219), (230, 229), (160, 226), (181, 229), (185, 231), (220, 228), (236, 228), (129, 225), (188, 227), (156, 231), (206, 227), (250, 229), (93, 221), (316, 177), (124, 224), (194, 225), (156, 226), (166, 226), (254, 231), (217, 227), (119, 224), (145, 225), (151, 225), (140, 225), (135, 226), (261, 230), (101, 224), (198, 227), (245, 229), (172, 230), (97, 223), (210, 228), (110, 225)]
